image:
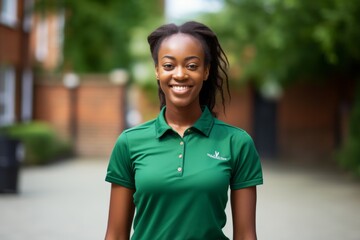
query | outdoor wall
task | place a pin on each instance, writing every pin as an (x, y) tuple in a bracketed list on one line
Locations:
[(313, 121), (98, 112), (239, 110), (51, 104), (10, 42)]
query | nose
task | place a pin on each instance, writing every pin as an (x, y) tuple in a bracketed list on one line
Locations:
[(180, 73)]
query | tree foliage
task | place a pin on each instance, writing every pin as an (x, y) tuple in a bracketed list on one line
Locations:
[(288, 39), (97, 33)]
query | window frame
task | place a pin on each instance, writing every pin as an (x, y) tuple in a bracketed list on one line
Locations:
[(9, 13), (27, 95), (7, 95)]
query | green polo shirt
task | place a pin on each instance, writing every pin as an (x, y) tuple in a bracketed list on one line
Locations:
[(181, 183)]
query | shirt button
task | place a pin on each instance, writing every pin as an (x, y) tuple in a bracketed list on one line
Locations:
[(180, 156), (179, 169), (181, 143)]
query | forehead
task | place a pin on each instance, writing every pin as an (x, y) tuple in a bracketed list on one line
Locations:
[(181, 43)]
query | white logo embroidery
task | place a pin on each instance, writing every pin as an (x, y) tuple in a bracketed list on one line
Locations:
[(217, 156)]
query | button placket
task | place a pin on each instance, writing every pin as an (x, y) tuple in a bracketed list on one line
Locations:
[(180, 168)]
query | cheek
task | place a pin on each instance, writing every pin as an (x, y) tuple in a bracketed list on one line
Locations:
[(162, 84), (163, 76)]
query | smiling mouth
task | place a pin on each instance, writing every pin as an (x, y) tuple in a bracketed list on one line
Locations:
[(180, 88)]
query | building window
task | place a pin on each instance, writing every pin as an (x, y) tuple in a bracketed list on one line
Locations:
[(28, 15), (27, 95), (42, 35), (8, 12), (7, 95)]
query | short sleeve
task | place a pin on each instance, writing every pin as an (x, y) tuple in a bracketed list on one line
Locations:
[(120, 170), (247, 170)]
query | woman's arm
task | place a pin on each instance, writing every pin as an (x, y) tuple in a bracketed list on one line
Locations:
[(243, 205), (121, 213)]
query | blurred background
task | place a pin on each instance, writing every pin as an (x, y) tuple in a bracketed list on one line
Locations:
[(75, 74)]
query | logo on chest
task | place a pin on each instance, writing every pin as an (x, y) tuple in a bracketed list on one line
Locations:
[(217, 156)]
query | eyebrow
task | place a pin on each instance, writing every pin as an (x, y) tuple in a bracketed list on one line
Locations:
[(187, 58)]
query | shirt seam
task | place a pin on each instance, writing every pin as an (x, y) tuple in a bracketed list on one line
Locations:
[(119, 181), (250, 183)]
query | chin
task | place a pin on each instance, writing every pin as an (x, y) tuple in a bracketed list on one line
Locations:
[(184, 104)]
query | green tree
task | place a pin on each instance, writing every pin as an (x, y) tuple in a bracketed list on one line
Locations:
[(98, 32), (289, 39), (293, 40)]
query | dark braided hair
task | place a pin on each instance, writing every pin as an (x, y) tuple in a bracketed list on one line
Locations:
[(214, 55)]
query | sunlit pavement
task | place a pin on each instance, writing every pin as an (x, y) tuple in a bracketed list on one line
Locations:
[(69, 200)]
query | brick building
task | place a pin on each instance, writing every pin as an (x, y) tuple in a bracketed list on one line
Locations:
[(16, 77), (29, 40)]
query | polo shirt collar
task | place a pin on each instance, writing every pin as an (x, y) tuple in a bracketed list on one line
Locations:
[(161, 125), (206, 121), (204, 124)]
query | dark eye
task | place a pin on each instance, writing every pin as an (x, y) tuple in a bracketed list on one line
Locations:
[(168, 66), (192, 66)]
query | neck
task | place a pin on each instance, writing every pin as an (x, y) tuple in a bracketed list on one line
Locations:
[(181, 119)]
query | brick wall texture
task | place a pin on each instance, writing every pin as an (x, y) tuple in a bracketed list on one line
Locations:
[(96, 107)]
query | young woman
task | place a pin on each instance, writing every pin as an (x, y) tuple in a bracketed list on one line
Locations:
[(176, 169)]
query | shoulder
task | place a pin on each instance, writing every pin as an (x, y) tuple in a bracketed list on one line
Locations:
[(236, 133), (142, 126), (144, 130), (129, 139)]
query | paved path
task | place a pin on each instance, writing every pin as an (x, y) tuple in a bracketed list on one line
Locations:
[(69, 200), (304, 204)]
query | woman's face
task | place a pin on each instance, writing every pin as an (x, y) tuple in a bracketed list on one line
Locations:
[(181, 70)]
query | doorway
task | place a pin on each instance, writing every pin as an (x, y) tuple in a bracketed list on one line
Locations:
[(265, 126)]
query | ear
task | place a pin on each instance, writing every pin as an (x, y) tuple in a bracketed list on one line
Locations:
[(207, 70)]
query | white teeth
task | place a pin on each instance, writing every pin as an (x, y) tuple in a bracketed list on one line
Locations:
[(180, 88)]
